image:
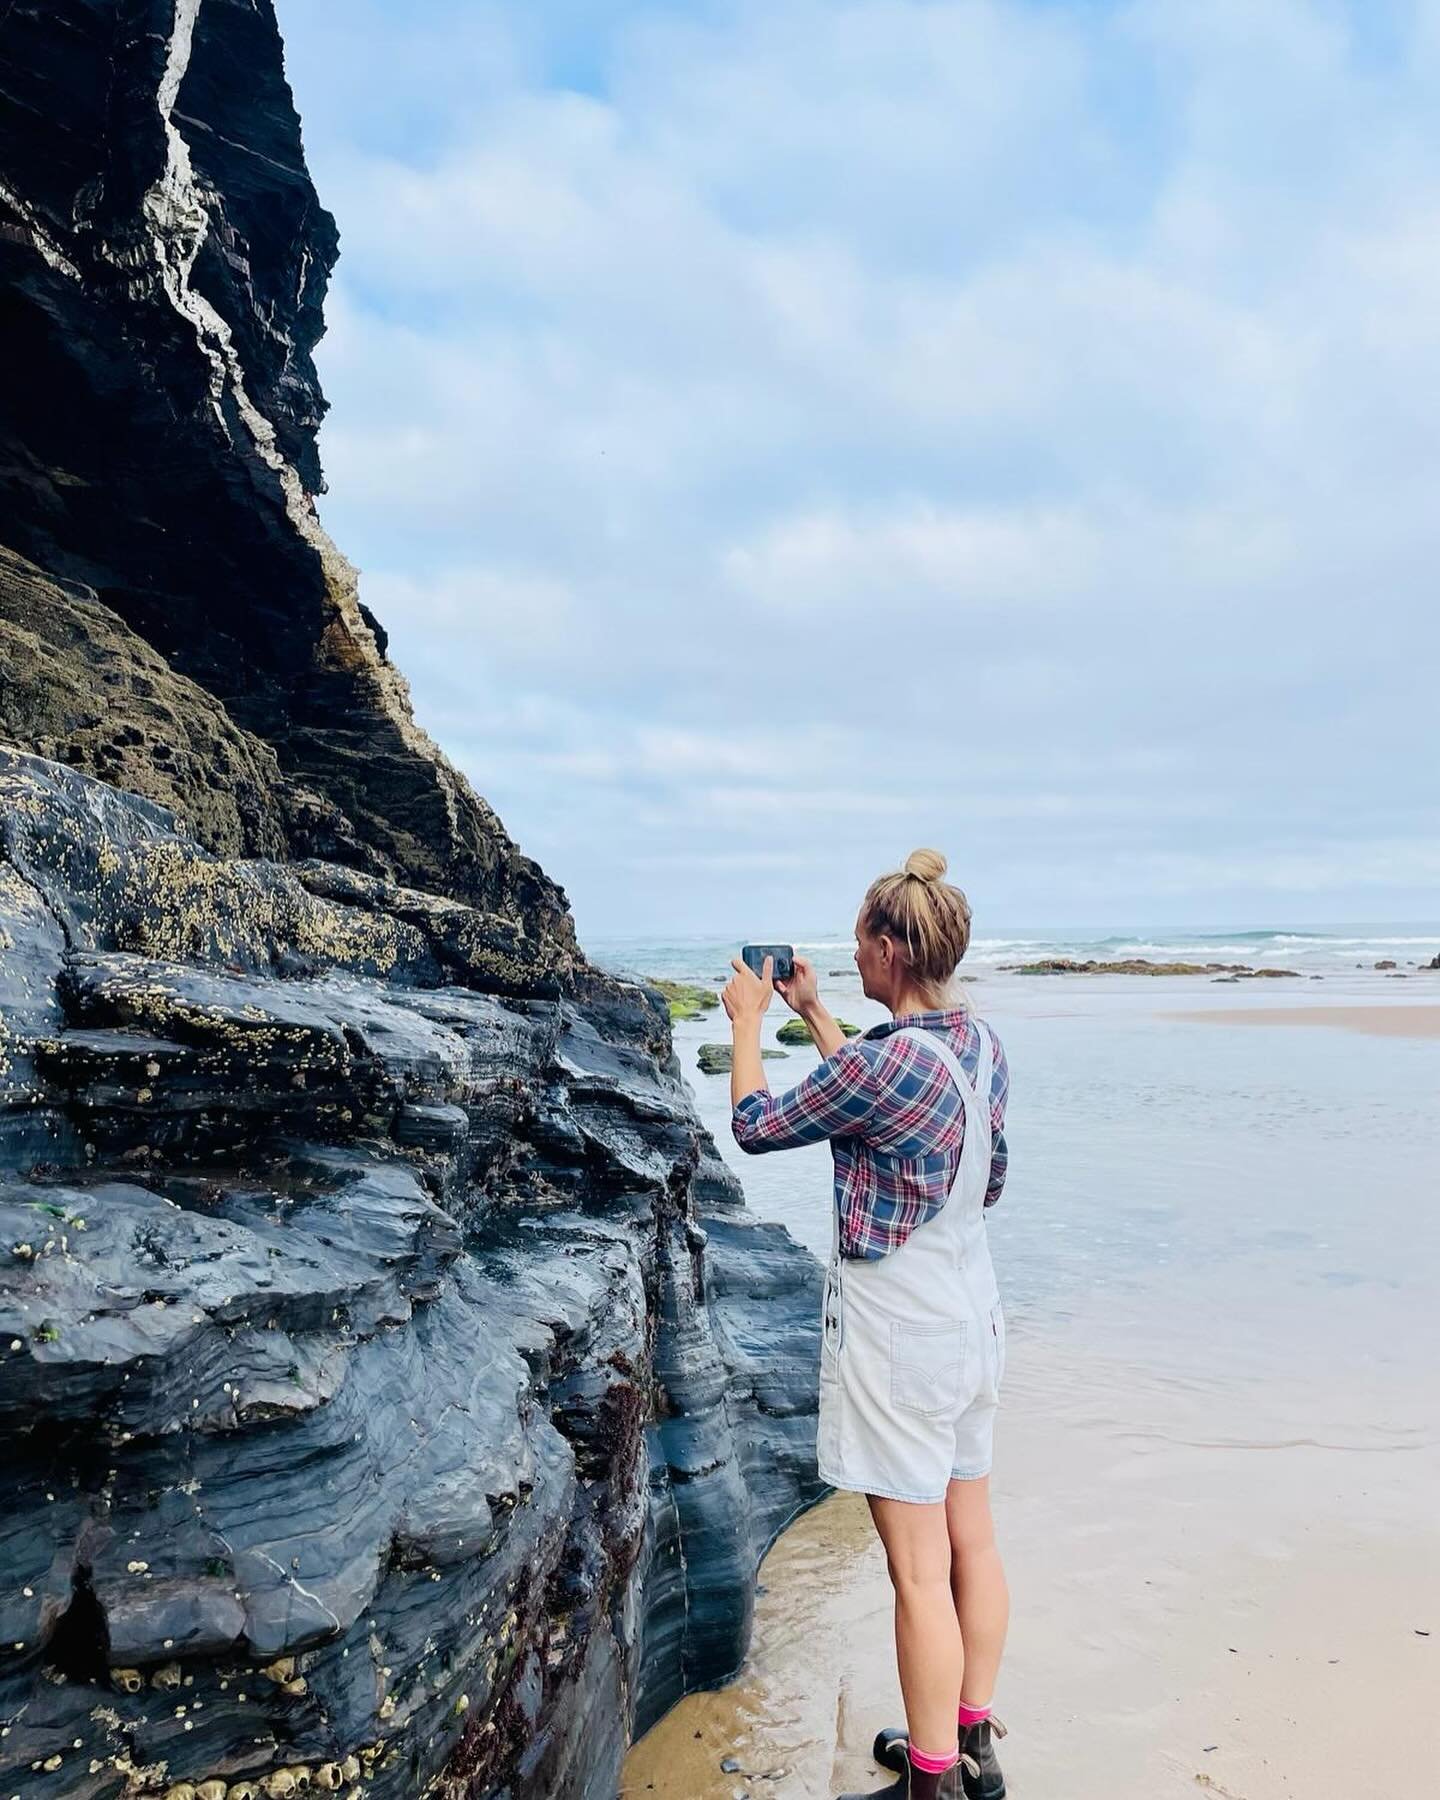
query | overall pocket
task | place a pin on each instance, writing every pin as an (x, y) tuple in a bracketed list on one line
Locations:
[(927, 1364), (997, 1341), (832, 1317)]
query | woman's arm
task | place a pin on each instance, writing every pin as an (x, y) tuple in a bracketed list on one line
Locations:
[(999, 1149), (827, 1034), (746, 999), (999, 1165), (838, 1099), (835, 1100), (747, 1066), (801, 993)]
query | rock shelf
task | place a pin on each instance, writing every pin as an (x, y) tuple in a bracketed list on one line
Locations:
[(380, 1362), (1062, 965)]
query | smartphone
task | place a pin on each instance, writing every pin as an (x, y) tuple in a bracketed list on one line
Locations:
[(753, 956)]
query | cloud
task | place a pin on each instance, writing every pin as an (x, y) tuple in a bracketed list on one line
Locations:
[(775, 435)]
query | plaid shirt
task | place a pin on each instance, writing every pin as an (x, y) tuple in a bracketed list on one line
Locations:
[(895, 1123)]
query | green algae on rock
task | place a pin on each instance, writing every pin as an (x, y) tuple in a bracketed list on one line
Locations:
[(796, 1031), (716, 1059), (685, 1000)]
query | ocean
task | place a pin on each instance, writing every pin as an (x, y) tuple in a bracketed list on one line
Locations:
[(1318, 950), (1142, 1142)]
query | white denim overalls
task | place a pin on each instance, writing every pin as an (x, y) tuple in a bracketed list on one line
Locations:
[(913, 1344)]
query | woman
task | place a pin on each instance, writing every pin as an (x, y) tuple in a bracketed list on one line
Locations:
[(913, 1339)]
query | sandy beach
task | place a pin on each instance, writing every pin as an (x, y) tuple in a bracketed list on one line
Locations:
[(1404, 1020), (1220, 1439), (1209, 1595)]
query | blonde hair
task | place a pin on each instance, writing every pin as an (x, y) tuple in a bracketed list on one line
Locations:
[(924, 916)]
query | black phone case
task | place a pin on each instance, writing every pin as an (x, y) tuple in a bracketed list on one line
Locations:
[(753, 956)]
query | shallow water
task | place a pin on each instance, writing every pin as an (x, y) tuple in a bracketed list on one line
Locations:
[(1162, 1162), (1219, 1249)]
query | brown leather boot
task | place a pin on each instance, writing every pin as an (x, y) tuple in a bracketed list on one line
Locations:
[(982, 1778), (919, 1784)]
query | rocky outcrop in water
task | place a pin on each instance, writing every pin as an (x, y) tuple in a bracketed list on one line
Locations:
[(396, 1394), (716, 1059), (1137, 965)]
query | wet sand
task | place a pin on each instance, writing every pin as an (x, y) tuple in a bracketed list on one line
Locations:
[(1405, 1019), (1213, 1592), (1219, 1447)]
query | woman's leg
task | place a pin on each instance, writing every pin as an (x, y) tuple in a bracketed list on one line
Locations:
[(977, 1578), (928, 1646)]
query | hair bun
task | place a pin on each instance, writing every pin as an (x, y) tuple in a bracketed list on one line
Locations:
[(926, 865)]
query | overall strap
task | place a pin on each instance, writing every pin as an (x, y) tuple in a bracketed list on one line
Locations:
[(936, 1041), (970, 1091)]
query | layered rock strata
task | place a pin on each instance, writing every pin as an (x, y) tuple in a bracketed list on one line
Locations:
[(163, 267), (397, 1396)]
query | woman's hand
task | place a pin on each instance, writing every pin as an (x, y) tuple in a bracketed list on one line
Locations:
[(802, 989), (747, 996)]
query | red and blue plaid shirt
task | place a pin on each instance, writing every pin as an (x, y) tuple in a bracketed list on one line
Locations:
[(895, 1122)]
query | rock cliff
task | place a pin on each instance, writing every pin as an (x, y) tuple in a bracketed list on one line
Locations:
[(396, 1395), (163, 264)]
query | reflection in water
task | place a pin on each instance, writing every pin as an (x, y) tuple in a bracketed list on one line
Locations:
[(788, 1715)]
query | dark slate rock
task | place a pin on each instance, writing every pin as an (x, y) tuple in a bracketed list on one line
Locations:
[(116, 873), (83, 688), (163, 266), (391, 1377)]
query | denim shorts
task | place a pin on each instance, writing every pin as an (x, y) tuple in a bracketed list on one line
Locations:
[(909, 1408)]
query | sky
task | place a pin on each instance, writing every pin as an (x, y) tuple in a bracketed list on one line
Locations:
[(776, 436)]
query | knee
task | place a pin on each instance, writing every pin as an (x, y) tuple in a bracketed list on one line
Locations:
[(913, 1580), (975, 1538)]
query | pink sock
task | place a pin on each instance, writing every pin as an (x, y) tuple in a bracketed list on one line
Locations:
[(973, 1715), (933, 1765)]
